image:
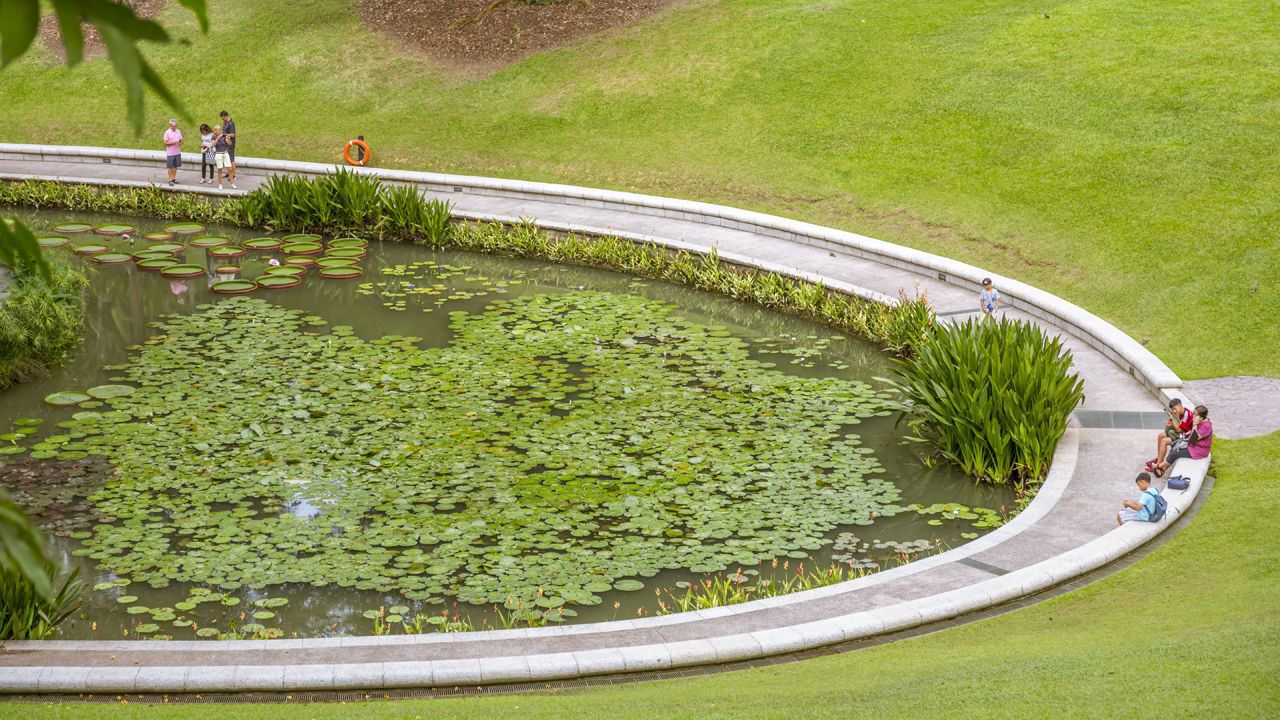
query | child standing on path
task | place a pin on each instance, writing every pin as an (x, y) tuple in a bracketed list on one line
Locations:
[(206, 152), (220, 159), (173, 150), (988, 299)]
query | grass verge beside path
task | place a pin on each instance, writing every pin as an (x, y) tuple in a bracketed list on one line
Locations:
[(1193, 630), (1121, 154)]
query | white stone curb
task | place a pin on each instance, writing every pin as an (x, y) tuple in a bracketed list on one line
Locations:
[(619, 659), (1119, 347)]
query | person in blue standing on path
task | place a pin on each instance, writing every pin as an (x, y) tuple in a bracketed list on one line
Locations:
[(229, 130), (988, 299)]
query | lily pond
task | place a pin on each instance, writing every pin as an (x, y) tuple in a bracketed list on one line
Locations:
[(445, 436)]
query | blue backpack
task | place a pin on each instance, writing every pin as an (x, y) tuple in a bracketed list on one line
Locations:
[(1161, 505)]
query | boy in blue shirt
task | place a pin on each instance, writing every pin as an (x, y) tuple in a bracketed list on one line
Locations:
[(1145, 507), (988, 299)]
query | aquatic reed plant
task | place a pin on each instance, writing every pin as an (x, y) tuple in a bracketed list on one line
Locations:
[(26, 614), (992, 396), (147, 202), (39, 322), (744, 586)]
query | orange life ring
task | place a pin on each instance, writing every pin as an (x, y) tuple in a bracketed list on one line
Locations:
[(346, 152)]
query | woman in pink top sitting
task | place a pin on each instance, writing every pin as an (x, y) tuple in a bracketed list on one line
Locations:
[(1200, 442)]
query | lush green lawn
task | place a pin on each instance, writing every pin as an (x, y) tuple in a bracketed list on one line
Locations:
[(1190, 631), (1122, 154)]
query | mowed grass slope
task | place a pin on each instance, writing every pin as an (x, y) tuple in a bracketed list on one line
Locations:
[(1125, 155), (1189, 632)]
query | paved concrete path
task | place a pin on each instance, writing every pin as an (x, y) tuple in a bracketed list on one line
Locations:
[(1101, 470), (1241, 406)]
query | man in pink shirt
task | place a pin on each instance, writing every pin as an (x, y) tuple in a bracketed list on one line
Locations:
[(173, 150)]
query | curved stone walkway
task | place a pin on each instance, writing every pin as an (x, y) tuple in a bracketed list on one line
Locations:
[(1241, 406), (1068, 530)]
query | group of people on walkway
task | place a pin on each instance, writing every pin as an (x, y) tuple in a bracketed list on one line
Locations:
[(1186, 434), (217, 151)]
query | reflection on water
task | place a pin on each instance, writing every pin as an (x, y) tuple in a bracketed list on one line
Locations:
[(123, 299)]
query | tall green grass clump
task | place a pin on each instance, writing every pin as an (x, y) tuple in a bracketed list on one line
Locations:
[(27, 615), (149, 202), (346, 202), (40, 323), (992, 396)]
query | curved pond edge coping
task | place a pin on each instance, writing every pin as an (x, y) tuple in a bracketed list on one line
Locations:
[(624, 658), (1139, 362)]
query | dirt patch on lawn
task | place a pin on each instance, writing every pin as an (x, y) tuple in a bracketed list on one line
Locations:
[(511, 31), (51, 34)]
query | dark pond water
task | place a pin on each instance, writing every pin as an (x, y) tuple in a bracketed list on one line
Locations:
[(124, 300)]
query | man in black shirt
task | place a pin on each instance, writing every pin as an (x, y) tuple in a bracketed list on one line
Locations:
[(229, 130)]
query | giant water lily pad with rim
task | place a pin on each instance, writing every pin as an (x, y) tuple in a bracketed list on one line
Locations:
[(278, 282), (349, 242), (263, 243), (346, 252), (329, 262), (105, 392), (303, 260), (152, 254), (227, 252), (184, 228), (158, 237), (210, 241), (340, 273), (172, 247), (182, 271), (110, 258), (73, 227), (302, 248), (52, 241), (157, 264), (290, 270), (89, 249), (115, 229), (227, 269), (234, 287)]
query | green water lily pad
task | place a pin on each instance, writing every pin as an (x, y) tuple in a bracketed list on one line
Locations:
[(628, 585), (73, 227), (12, 450), (348, 242), (278, 282), (157, 264), (89, 248), (104, 392), (301, 248), (263, 615), (210, 241), (207, 632), (338, 273), (52, 241), (182, 271), (66, 398), (303, 260), (227, 269), (115, 229), (263, 243), (152, 254), (230, 251), (137, 609), (293, 270), (336, 262), (172, 247), (158, 236), (184, 228), (148, 628), (345, 252), (110, 258), (234, 287)]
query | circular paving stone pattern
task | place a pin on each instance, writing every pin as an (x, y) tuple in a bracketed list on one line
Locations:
[(1241, 406)]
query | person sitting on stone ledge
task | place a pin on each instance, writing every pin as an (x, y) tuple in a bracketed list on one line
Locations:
[(1177, 425), (1199, 442), (1146, 506)]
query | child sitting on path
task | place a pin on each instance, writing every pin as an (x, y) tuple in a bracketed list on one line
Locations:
[(1145, 508), (1178, 424)]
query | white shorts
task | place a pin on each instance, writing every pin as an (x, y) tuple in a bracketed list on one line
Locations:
[(1127, 515), (221, 160)]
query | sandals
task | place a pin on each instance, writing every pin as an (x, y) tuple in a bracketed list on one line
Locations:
[(1158, 472)]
